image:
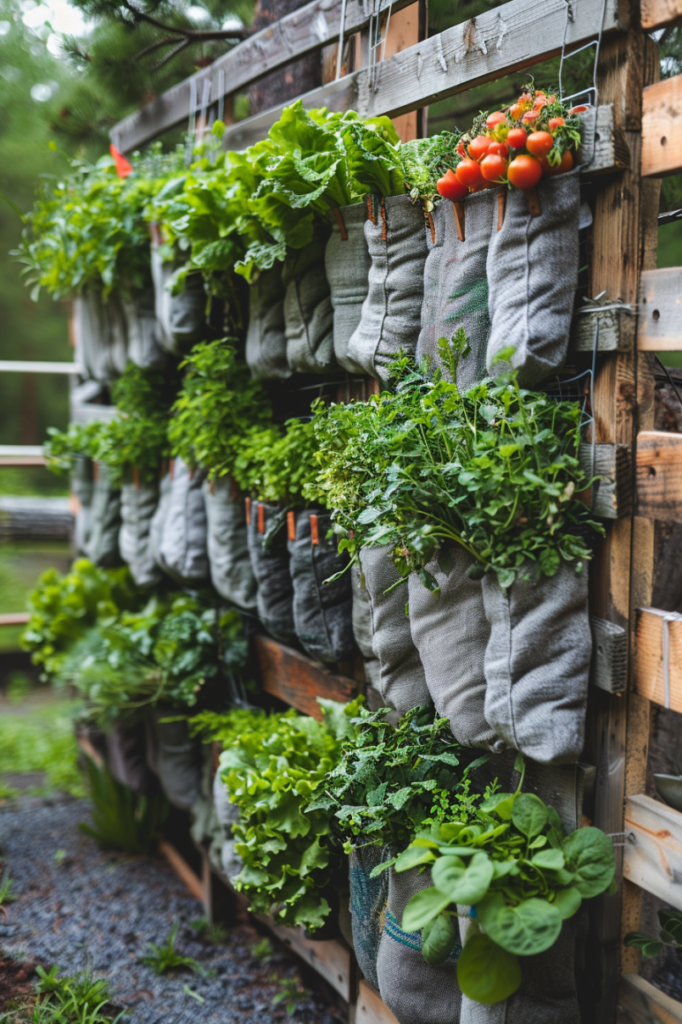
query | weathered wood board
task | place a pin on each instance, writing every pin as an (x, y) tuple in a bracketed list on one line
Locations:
[(659, 475), (659, 325), (661, 135), (649, 678), (653, 848), (330, 958), (370, 1008), (640, 1003), (298, 680)]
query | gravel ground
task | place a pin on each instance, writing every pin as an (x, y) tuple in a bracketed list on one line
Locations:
[(88, 908)]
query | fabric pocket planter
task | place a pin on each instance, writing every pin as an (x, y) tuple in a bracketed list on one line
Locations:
[(347, 264), (308, 313), (401, 675), (181, 318), (322, 611), (143, 329), (183, 552), (362, 627), (101, 336), (368, 899), (127, 758), (105, 521), (537, 663), (228, 549), (159, 518), (266, 344), (269, 554), (532, 279), (139, 502), (396, 241), (456, 285), (227, 814), (178, 760), (82, 485), (415, 991), (451, 634)]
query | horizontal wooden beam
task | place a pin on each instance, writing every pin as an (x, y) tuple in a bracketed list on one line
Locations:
[(660, 13), (659, 325), (329, 957), (640, 1003), (612, 329), (657, 671), (22, 463), (298, 680), (14, 619), (370, 1008), (182, 869), (36, 366), (661, 135), (311, 27), (653, 848), (659, 475)]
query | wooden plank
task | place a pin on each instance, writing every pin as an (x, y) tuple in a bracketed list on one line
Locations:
[(661, 136), (640, 1003), (181, 869), (608, 670), (659, 325), (298, 680), (659, 13), (613, 329), (22, 463), (612, 497), (14, 619), (659, 475), (403, 32), (649, 680), (89, 750), (653, 848), (329, 957), (371, 1009)]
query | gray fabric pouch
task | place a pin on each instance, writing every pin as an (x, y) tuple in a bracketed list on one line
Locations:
[(101, 336), (105, 522), (162, 272), (456, 285), (178, 761), (362, 627), (532, 279), (127, 758), (82, 486), (401, 679), (188, 315), (138, 506), (144, 348), (537, 663), (266, 344), (416, 992), (158, 520), (322, 611), (183, 551), (451, 633), (347, 263), (368, 899), (396, 241), (228, 549), (308, 313), (270, 566)]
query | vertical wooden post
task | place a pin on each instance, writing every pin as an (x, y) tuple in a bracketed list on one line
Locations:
[(404, 31)]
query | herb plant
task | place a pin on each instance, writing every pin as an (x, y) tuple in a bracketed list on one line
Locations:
[(64, 447), (121, 819), (165, 957), (670, 935)]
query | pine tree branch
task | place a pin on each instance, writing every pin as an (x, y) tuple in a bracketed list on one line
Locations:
[(191, 35), (155, 46), (173, 53)]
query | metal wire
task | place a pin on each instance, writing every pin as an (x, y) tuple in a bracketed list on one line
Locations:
[(339, 55), (592, 92)]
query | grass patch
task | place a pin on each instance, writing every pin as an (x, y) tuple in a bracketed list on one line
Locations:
[(41, 739)]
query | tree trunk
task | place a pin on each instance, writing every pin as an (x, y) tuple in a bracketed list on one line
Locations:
[(291, 80)]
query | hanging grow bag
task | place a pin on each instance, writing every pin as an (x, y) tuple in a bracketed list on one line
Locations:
[(362, 627), (537, 663), (455, 282), (266, 344), (127, 758), (183, 551), (105, 521), (308, 314), (82, 485), (347, 264), (451, 633), (401, 678), (532, 277), (415, 991), (396, 239), (101, 337), (228, 548), (269, 554), (177, 760), (139, 502), (181, 318), (322, 611), (158, 519), (368, 899), (143, 330)]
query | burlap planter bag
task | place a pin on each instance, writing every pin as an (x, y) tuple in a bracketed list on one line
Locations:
[(101, 336), (181, 319), (144, 348), (82, 486), (537, 663), (159, 518), (347, 264), (368, 899), (228, 549), (270, 564), (162, 272), (178, 760), (323, 612), (183, 552), (127, 758), (266, 344), (362, 627), (402, 682), (391, 313), (451, 633), (308, 313), (532, 279), (139, 502), (416, 992), (105, 521), (456, 285)]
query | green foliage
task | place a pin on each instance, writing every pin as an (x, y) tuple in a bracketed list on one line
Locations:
[(291, 994), (225, 728), (64, 447), (6, 894), (164, 958), (262, 950), (144, 391), (121, 819), (41, 739), (74, 999), (216, 933), (287, 469), (670, 935), (133, 442)]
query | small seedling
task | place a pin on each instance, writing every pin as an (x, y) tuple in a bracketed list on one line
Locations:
[(291, 993), (195, 995), (262, 950), (6, 894), (60, 856), (215, 933), (165, 958)]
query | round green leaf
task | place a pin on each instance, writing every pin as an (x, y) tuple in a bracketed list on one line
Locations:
[(529, 814), (568, 902), (422, 908), (412, 857), (486, 973), (589, 854), (463, 884), (531, 927), (549, 860), (438, 939)]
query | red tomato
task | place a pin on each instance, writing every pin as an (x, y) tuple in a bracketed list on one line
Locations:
[(565, 164), (495, 118), (578, 110), (451, 188), (539, 143), (530, 115), (524, 171), (478, 147), (555, 122), (460, 149), (517, 138), (493, 167), (468, 172), (498, 149), (515, 111)]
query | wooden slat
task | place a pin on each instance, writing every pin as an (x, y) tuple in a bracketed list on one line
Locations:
[(614, 330), (661, 135), (22, 462), (371, 1009), (612, 498), (659, 475), (330, 958), (659, 326), (181, 869), (649, 671), (14, 619), (659, 13), (653, 848), (640, 1003), (298, 680)]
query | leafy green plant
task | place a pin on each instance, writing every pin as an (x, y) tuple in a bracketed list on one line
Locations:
[(291, 994), (121, 819), (63, 447), (6, 894), (262, 950), (165, 957), (287, 469), (42, 740), (216, 933), (670, 935), (74, 999)]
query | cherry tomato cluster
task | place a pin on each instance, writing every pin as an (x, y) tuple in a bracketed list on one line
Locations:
[(534, 136)]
